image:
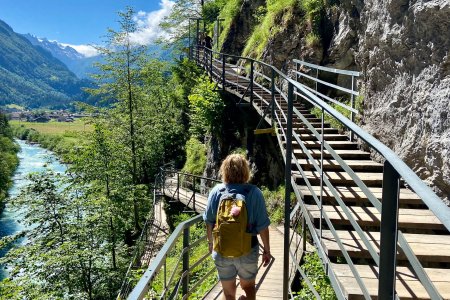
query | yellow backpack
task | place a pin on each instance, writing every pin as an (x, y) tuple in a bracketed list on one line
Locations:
[(230, 237)]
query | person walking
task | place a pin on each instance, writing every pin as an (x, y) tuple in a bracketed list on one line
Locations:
[(232, 205)]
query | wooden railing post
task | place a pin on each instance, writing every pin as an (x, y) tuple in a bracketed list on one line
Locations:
[(287, 196), (388, 232)]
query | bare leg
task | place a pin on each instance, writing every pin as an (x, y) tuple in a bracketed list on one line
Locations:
[(229, 289), (249, 288)]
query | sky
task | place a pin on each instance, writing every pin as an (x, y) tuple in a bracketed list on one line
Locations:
[(81, 23)]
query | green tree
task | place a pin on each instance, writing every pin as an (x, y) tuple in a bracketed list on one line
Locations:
[(120, 79)]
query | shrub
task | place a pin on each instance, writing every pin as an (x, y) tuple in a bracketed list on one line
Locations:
[(312, 40), (195, 157), (313, 268), (269, 25), (206, 108)]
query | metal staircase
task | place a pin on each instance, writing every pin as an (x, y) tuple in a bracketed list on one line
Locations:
[(380, 232)]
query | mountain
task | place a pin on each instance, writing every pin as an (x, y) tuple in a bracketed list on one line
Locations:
[(79, 64), (31, 76)]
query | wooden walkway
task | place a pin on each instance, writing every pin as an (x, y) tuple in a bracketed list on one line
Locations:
[(269, 280), (422, 230)]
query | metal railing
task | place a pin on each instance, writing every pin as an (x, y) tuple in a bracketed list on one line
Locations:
[(185, 254), (145, 245), (267, 89)]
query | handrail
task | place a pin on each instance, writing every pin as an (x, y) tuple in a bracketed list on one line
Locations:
[(182, 231), (394, 170), (142, 242), (143, 286)]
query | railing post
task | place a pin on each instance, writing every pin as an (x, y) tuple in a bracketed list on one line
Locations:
[(189, 39), (186, 261), (178, 186), (211, 64), (317, 76), (352, 104), (388, 232), (322, 139), (273, 99), (287, 196), (223, 71), (296, 78), (251, 82), (193, 190)]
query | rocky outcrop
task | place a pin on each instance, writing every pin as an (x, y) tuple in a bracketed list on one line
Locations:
[(401, 48), (241, 27), (404, 56)]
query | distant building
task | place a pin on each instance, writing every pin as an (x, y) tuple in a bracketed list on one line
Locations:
[(40, 119)]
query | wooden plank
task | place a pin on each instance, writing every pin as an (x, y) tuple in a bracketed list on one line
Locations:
[(341, 178), (369, 216), (427, 247), (264, 131), (331, 164), (355, 194), (407, 284), (343, 153)]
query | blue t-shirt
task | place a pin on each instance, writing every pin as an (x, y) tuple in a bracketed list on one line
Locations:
[(254, 200)]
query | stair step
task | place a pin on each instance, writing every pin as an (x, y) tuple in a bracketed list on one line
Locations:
[(340, 178), (423, 219), (300, 124), (331, 164), (354, 194), (407, 284), (303, 130), (333, 144), (343, 153), (307, 136), (426, 247)]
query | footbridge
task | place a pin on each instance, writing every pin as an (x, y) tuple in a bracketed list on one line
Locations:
[(380, 231)]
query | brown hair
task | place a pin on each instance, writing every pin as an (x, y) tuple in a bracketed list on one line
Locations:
[(235, 168)]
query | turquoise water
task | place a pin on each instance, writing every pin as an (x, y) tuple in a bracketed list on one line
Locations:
[(32, 159)]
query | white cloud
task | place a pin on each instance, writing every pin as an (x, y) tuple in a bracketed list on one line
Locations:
[(148, 23), (86, 50)]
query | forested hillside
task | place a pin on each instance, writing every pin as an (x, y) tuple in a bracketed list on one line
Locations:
[(32, 77), (8, 157)]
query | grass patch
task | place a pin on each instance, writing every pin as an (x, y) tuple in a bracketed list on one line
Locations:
[(269, 26), (54, 128), (228, 14), (312, 265), (312, 40), (60, 137)]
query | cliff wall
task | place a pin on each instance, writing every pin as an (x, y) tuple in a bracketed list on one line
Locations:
[(402, 49)]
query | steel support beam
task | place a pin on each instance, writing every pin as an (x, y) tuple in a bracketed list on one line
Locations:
[(287, 196), (388, 233)]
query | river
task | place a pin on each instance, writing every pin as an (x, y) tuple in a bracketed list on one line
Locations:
[(32, 158)]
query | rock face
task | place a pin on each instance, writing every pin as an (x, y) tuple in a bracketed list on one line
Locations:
[(403, 52), (401, 48)]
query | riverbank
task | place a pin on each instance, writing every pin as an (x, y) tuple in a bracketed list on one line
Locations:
[(32, 158), (58, 137)]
